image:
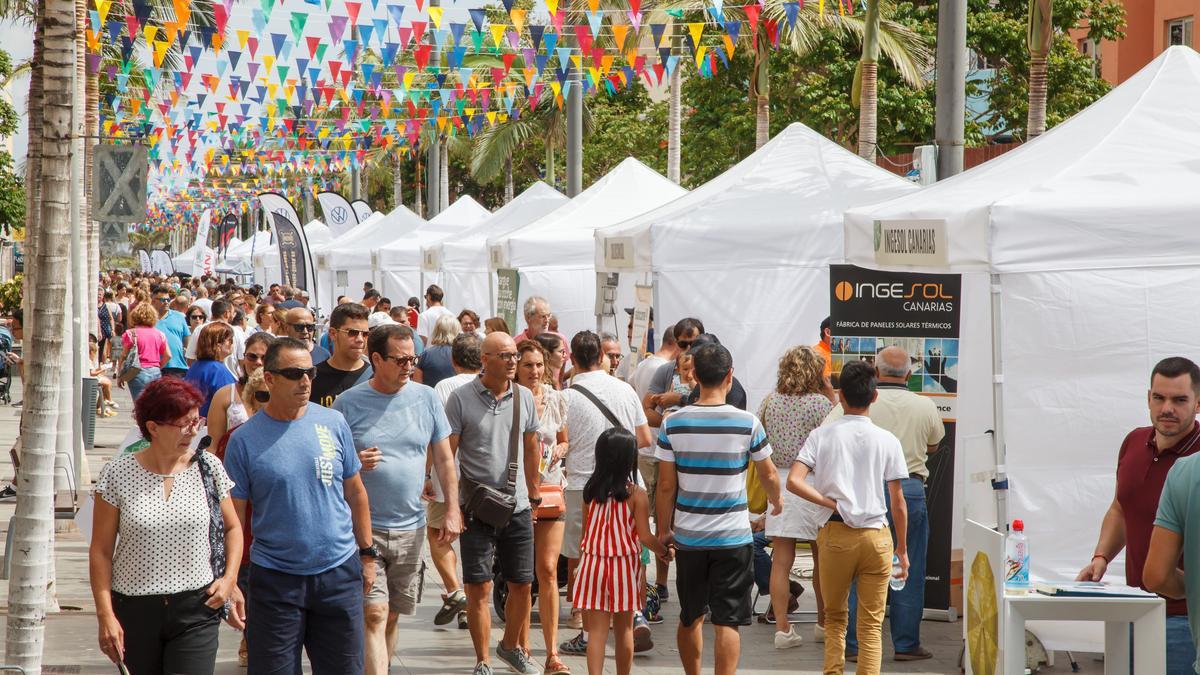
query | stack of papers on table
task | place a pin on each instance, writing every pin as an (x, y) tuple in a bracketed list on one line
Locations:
[(1089, 589)]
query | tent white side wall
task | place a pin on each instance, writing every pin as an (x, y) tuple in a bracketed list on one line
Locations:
[(266, 264), (347, 259), (398, 264), (1091, 233)]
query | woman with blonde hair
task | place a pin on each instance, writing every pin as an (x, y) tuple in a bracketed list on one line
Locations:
[(800, 402), (435, 363), (153, 350)]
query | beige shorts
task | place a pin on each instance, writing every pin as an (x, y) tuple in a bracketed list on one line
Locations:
[(648, 466), (435, 515), (573, 532), (399, 570)]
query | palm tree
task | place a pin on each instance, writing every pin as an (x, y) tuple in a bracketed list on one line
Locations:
[(54, 42), (867, 85), (1040, 38)]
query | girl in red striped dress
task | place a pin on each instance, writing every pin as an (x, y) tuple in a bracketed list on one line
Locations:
[(607, 586)]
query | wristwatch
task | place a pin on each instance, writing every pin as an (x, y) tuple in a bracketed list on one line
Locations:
[(368, 552)]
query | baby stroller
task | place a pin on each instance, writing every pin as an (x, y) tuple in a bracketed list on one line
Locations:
[(7, 341)]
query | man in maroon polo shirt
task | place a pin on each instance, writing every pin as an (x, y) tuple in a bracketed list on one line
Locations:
[(1146, 456)]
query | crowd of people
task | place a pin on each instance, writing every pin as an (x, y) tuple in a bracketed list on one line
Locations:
[(292, 472)]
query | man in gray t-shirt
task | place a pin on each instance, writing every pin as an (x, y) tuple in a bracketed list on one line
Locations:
[(481, 417)]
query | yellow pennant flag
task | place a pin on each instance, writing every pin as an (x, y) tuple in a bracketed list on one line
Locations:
[(491, 118), (150, 32), (498, 32), (435, 15), (700, 53), (556, 88), (696, 30), (408, 79), (160, 52), (620, 30), (577, 60), (518, 18), (242, 36), (272, 88), (552, 7), (323, 133), (441, 122), (594, 75), (102, 7)]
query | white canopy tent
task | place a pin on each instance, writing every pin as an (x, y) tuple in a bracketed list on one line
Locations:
[(238, 258), (184, 262), (266, 260), (398, 264), (1086, 239), (347, 259), (748, 253), (555, 254), (460, 263)]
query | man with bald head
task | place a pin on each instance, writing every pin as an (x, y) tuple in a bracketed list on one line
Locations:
[(300, 323), (915, 420), (481, 415)]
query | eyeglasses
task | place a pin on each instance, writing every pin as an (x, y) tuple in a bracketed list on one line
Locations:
[(506, 356), (304, 327), (684, 344), (190, 425), (294, 374), (354, 332), (401, 360), (196, 317), (615, 356), (256, 358)]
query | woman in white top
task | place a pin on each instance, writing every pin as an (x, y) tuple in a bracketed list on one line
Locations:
[(547, 532), (228, 410), (162, 587)]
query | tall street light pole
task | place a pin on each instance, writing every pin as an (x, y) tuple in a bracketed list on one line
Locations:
[(951, 92)]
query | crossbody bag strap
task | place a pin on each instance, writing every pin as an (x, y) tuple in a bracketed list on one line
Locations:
[(513, 438), (599, 404)]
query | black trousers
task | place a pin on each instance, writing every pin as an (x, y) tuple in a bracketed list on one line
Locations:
[(172, 634)]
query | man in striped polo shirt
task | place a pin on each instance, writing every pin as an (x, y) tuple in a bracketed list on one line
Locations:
[(704, 449)]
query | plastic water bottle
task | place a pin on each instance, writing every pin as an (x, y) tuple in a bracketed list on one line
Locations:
[(896, 582), (1016, 564)]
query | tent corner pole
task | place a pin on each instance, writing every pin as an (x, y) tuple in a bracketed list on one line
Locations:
[(1000, 482)]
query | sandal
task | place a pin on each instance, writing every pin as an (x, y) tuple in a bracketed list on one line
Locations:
[(555, 666)]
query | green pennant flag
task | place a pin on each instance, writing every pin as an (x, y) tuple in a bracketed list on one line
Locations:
[(320, 52), (298, 21), (267, 6)]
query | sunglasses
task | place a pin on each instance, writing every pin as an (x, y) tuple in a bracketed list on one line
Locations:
[(256, 358), (196, 317), (402, 360), (684, 344), (353, 332), (163, 299), (295, 374), (304, 327)]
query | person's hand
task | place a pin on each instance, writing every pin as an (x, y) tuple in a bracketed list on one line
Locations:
[(776, 506), (903, 566), (453, 525), (12, 358), (370, 458), (758, 524), (112, 638), (560, 451), (368, 574), (1094, 570), (667, 539), (427, 492), (120, 384), (237, 609), (220, 591)]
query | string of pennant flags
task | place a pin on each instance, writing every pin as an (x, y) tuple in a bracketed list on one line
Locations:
[(310, 87)]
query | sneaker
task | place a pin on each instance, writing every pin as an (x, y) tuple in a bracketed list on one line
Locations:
[(663, 595), (575, 621), (642, 640), (9, 492), (462, 620), (652, 612), (576, 646), (517, 659), (918, 654), (18, 404), (789, 639), (451, 606), (555, 666), (819, 633), (482, 668)]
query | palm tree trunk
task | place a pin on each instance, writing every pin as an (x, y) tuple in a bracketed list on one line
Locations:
[(760, 87), (1036, 124), (868, 111), (762, 121), (397, 179), (549, 162), (33, 521), (91, 125), (444, 174), (673, 123), (509, 188)]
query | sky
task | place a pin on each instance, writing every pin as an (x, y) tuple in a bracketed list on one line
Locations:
[(17, 39)]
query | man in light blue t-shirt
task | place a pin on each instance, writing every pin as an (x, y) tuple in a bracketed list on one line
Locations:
[(173, 324), (1172, 551), (400, 430), (296, 463)]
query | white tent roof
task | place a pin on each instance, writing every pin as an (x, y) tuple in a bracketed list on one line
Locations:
[(780, 207), (468, 251), (459, 217), (353, 249), (258, 242), (564, 238), (1115, 183)]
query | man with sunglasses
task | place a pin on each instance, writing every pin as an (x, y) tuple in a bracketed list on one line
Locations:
[(346, 367), (400, 429), (313, 556), (173, 325), (300, 324)]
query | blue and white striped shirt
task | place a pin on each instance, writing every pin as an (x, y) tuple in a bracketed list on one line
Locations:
[(711, 447)]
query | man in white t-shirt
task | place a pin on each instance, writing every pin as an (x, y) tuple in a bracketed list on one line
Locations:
[(851, 459), (434, 311), (465, 356), (585, 421), (222, 311), (203, 301)]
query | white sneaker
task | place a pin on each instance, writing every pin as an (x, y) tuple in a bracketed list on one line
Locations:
[(818, 633), (789, 639)]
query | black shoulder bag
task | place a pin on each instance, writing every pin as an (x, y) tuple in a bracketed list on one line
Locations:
[(484, 502), (599, 404)]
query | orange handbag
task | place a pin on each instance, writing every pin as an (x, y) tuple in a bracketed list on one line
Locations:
[(554, 503)]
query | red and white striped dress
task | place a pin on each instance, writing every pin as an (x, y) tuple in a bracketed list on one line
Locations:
[(608, 579)]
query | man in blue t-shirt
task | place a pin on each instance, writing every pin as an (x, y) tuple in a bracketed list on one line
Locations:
[(295, 462), (400, 430), (173, 324)]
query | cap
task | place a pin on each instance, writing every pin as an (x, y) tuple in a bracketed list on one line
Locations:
[(379, 319)]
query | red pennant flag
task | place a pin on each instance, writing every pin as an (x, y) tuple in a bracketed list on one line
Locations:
[(352, 9)]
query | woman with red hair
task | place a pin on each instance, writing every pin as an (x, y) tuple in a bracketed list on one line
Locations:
[(162, 586)]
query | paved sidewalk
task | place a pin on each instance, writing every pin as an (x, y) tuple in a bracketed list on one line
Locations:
[(423, 648)]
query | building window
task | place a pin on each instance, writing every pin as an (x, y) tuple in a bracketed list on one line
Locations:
[(1179, 32)]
